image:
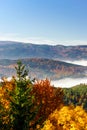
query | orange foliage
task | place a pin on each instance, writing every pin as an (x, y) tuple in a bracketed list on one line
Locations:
[(7, 86), (49, 97)]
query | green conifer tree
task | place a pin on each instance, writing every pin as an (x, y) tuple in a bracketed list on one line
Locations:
[(22, 108)]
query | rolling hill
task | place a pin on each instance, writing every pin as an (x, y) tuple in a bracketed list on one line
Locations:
[(43, 68), (17, 50)]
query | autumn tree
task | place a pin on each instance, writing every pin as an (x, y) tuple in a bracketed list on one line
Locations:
[(5, 87), (67, 118), (48, 97)]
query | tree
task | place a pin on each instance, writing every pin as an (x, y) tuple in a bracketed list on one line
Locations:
[(48, 97), (67, 118), (21, 71), (22, 110)]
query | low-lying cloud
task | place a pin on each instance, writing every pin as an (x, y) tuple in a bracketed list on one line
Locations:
[(78, 62), (68, 82)]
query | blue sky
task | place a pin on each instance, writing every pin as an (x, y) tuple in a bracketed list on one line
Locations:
[(44, 21)]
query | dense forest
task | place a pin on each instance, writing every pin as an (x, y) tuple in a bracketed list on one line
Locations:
[(76, 95), (30, 104)]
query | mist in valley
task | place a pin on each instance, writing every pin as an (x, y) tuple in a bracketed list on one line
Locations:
[(78, 62), (69, 82)]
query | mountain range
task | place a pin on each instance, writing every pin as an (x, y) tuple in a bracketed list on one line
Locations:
[(17, 50), (43, 61), (43, 68)]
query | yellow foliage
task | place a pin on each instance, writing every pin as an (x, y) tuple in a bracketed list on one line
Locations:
[(6, 86), (67, 118)]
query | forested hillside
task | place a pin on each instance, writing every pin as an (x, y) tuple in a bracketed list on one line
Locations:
[(44, 68), (18, 50), (76, 95)]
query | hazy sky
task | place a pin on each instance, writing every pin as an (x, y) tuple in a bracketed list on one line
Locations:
[(44, 21)]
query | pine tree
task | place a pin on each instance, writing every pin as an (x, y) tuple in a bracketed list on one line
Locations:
[(22, 108)]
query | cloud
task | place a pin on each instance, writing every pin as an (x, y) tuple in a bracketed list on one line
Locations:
[(75, 42), (68, 82), (79, 62)]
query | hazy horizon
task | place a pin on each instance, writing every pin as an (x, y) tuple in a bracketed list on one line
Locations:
[(45, 42)]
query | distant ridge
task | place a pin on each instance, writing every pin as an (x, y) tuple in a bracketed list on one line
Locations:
[(43, 68), (17, 50)]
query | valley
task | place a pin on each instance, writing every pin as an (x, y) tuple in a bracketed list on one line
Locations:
[(55, 62), (44, 68)]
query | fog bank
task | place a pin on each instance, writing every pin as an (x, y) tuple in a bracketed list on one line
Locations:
[(78, 62), (68, 82)]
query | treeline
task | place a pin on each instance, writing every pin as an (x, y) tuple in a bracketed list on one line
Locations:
[(27, 104), (76, 96)]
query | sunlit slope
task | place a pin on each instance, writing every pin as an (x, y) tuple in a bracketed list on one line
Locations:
[(44, 68), (15, 50)]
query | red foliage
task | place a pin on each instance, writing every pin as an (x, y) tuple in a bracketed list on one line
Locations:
[(49, 97)]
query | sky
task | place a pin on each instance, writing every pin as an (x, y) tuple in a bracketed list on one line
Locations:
[(44, 21)]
